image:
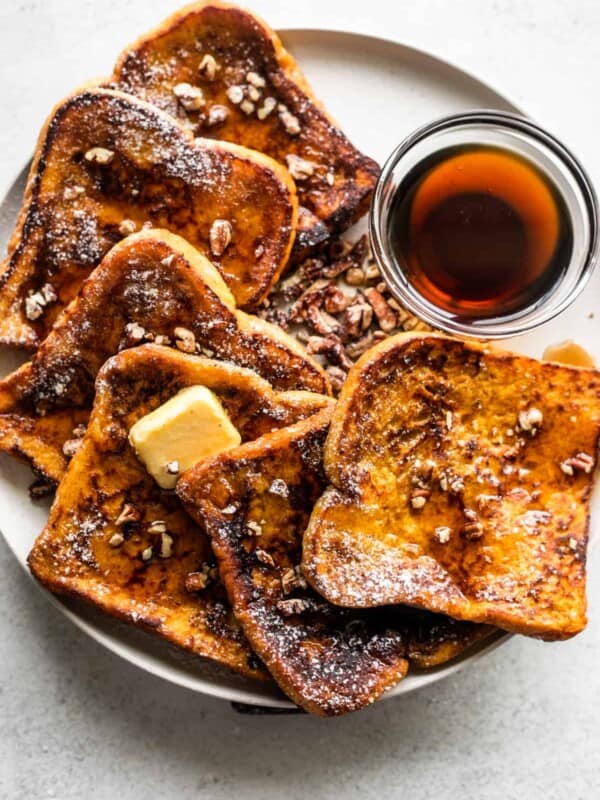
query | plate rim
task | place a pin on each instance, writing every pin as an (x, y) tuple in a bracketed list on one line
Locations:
[(252, 695)]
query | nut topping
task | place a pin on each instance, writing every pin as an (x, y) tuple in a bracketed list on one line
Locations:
[(127, 227), (264, 557), (147, 553), (116, 540), (279, 487), (172, 468), (99, 155), (134, 332), (247, 106), (196, 581), (34, 306), (71, 192), (220, 236), (190, 97), (157, 526), (254, 528), (235, 95), (70, 447), (442, 534), (166, 545), (256, 80), (267, 107), (129, 513), (184, 340), (217, 115), (300, 168), (582, 462), (355, 276), (292, 579), (530, 420), (208, 67), (385, 315), (419, 498), (289, 122), (292, 606)]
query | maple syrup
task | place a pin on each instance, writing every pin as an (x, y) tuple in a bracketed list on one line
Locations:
[(479, 231)]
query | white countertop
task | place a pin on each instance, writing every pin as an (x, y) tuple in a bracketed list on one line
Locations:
[(77, 722)]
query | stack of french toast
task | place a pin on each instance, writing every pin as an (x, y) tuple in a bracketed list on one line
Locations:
[(180, 276)]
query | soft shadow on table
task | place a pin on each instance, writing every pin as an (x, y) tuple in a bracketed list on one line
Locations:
[(104, 716)]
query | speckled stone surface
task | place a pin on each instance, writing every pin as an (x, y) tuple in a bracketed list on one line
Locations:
[(77, 722)]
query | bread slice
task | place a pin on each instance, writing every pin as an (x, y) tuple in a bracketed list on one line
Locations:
[(460, 483), (151, 285), (254, 502), (106, 164), (228, 54), (76, 553)]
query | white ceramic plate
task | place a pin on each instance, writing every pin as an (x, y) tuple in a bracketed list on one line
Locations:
[(379, 91)]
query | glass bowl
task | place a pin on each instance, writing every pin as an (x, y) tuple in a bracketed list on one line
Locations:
[(524, 138)]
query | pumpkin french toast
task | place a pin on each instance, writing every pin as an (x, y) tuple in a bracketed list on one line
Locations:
[(115, 538), (254, 501), (220, 70), (108, 164), (152, 286), (460, 483)]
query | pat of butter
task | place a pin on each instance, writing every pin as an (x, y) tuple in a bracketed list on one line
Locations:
[(186, 429), (569, 353)]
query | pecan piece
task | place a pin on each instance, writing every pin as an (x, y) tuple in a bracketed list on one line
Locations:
[(384, 313)]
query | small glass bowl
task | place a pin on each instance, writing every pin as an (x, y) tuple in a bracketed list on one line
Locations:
[(526, 139)]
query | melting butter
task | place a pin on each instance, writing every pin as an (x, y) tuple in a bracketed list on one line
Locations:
[(570, 353), (188, 428)]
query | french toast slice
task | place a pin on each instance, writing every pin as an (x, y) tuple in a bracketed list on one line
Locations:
[(254, 502), (461, 478), (151, 286), (117, 540), (221, 70), (107, 164)]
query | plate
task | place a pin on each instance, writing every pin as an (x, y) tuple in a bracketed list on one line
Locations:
[(379, 91)]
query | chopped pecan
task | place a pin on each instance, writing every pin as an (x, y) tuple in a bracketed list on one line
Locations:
[(292, 606), (208, 67), (321, 322), (330, 346), (337, 376), (360, 346), (220, 236), (264, 557), (580, 461), (384, 313), (357, 318)]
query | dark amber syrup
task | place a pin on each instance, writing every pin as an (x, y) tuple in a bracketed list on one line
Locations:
[(480, 231)]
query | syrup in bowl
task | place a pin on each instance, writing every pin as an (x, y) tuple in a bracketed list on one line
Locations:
[(480, 231), (483, 224)]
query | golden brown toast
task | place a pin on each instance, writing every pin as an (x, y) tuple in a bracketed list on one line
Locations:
[(461, 478), (254, 502), (246, 88), (87, 551), (151, 285), (107, 164)]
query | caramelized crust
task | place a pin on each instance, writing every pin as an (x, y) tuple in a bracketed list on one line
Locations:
[(147, 286), (215, 46), (74, 554), (106, 162), (461, 479), (254, 502)]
